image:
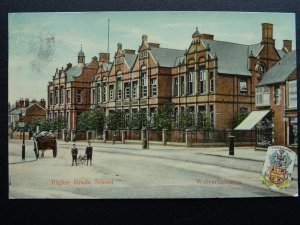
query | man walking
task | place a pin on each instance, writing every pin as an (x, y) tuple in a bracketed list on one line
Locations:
[(89, 153), (74, 152)]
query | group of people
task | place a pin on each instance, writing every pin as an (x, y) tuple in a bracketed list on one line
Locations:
[(88, 153)]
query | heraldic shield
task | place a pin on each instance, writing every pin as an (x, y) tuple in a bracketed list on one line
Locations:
[(278, 166)]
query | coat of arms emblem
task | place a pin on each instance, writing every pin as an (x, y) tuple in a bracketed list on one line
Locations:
[(278, 167)]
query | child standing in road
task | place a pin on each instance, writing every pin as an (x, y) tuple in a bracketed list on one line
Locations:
[(74, 152), (89, 153)]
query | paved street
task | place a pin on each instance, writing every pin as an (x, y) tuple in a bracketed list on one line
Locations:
[(127, 171)]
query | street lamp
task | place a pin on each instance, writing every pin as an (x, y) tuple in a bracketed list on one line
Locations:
[(22, 125)]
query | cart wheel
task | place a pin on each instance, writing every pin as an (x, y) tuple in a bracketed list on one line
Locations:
[(55, 150)]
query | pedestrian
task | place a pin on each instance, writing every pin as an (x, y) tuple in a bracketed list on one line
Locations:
[(89, 153), (74, 152)]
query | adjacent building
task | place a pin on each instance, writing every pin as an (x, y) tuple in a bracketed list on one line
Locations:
[(26, 111)]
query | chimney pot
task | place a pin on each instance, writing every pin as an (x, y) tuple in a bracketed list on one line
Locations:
[(287, 45)]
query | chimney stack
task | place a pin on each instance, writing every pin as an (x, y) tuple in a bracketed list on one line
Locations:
[(154, 45), (287, 45), (129, 51), (267, 33), (43, 103), (21, 103), (104, 57), (26, 102)]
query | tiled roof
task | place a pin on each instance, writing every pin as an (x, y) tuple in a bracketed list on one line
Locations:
[(281, 53), (167, 57), (232, 57), (73, 72), (130, 59), (281, 71)]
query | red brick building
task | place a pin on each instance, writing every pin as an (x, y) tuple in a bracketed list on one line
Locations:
[(69, 92), (26, 111)]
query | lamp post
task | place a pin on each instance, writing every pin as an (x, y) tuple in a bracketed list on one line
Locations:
[(149, 118), (22, 125)]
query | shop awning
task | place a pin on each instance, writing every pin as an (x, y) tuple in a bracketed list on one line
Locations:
[(252, 119)]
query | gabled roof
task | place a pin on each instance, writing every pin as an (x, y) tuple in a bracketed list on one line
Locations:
[(130, 59), (232, 57), (19, 110), (167, 57), (281, 71), (73, 72)]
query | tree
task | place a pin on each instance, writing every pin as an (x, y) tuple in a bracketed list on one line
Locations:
[(163, 119), (138, 120), (91, 120), (115, 120), (186, 120)]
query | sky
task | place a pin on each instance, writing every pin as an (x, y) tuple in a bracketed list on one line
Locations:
[(41, 42)]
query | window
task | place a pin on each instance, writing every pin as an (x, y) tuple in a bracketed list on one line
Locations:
[(68, 96), (202, 81), (201, 115), (134, 89), (175, 87), (103, 93), (93, 96), (262, 96), (292, 92), (144, 84), (51, 98), (56, 95), (243, 86), (211, 82), (98, 92), (153, 87), (61, 95), (119, 88), (127, 90), (191, 82), (277, 95), (78, 96), (127, 118), (181, 85), (111, 92), (293, 131), (211, 114)]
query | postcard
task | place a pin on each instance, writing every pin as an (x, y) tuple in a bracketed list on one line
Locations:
[(152, 104)]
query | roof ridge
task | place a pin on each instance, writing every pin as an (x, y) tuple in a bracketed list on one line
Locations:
[(169, 49), (231, 42)]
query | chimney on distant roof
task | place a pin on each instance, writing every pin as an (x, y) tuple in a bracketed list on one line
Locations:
[(104, 57), (119, 46), (287, 45), (26, 102), (69, 65), (21, 103), (43, 103), (129, 51), (154, 45), (207, 36)]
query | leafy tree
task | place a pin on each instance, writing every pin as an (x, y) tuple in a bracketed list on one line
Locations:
[(186, 120), (91, 120), (163, 119), (116, 120), (138, 120)]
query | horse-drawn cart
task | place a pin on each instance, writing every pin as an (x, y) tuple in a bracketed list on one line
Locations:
[(43, 141)]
